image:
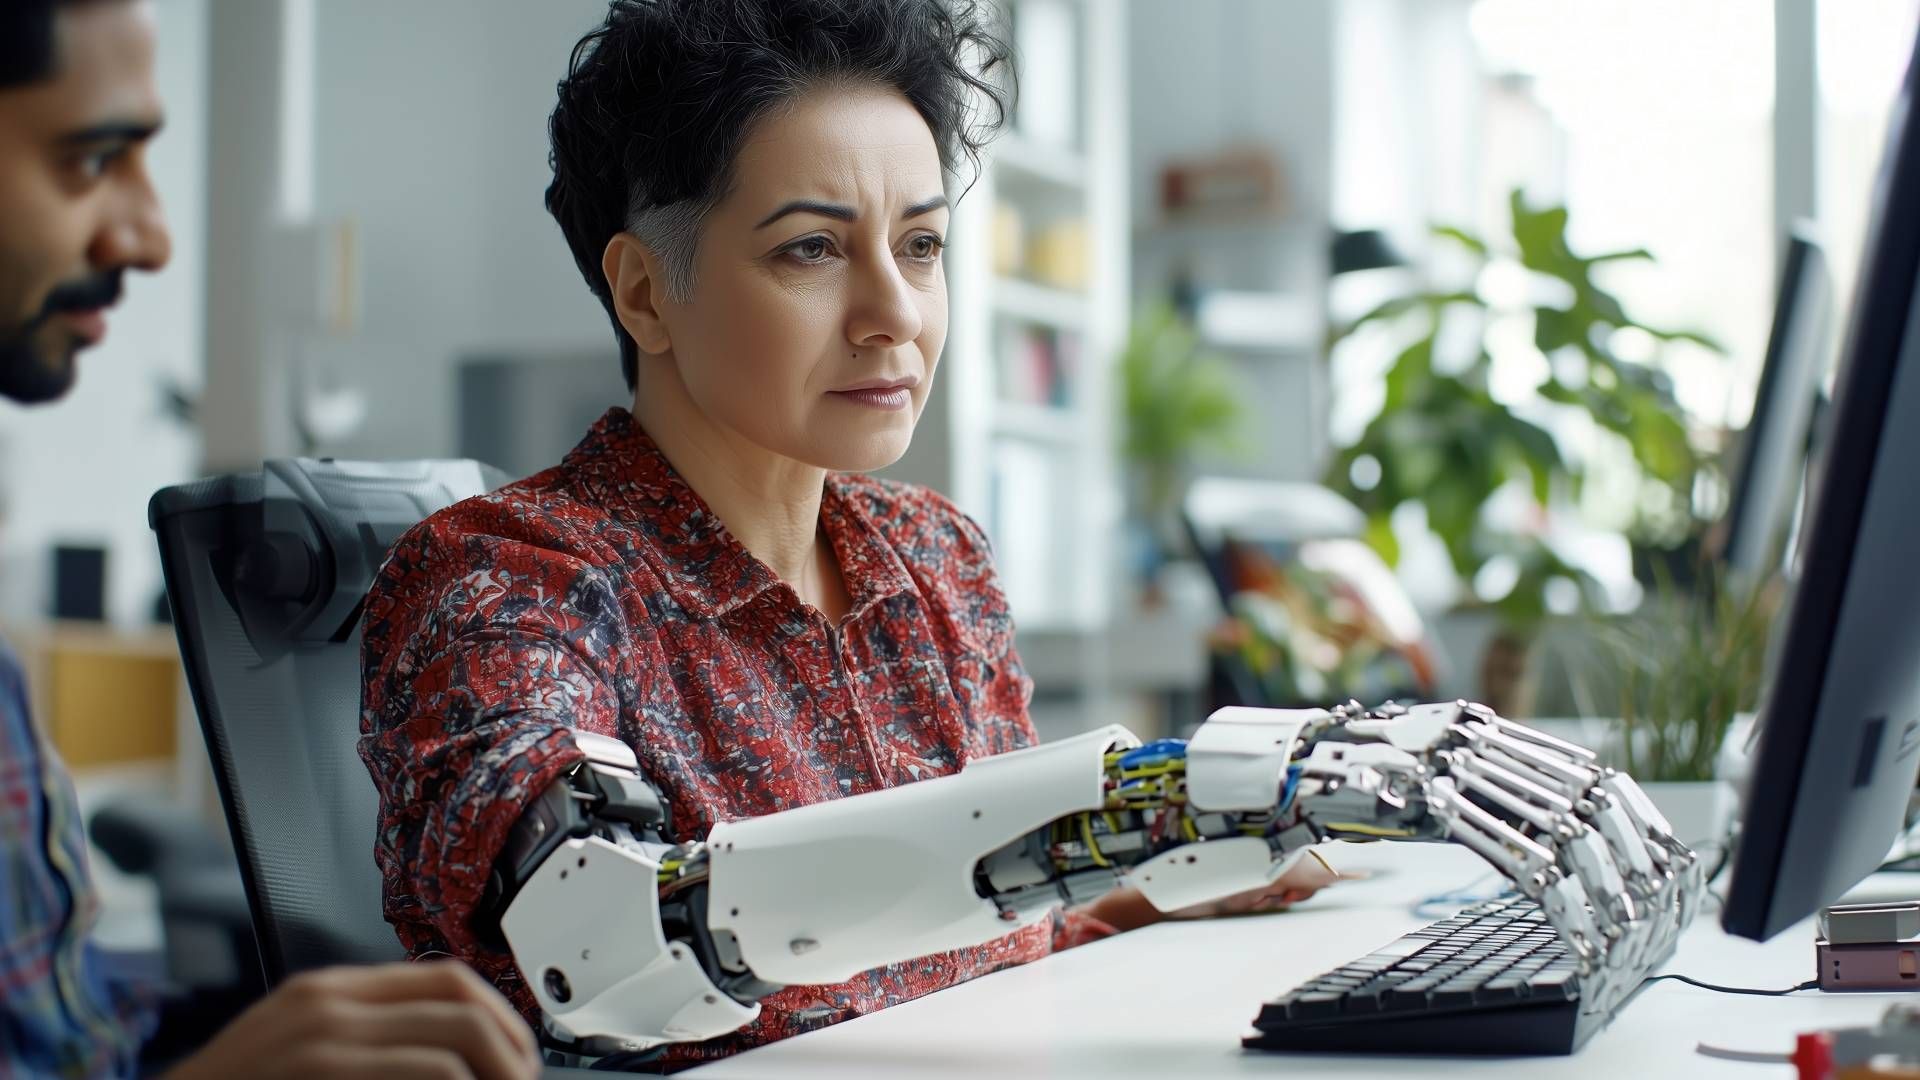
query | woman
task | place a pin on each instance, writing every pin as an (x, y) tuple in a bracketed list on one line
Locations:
[(757, 193)]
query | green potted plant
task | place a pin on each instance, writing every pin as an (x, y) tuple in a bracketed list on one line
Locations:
[(1682, 668), (1176, 399), (1443, 439)]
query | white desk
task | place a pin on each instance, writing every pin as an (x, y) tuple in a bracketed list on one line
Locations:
[(1171, 1002)]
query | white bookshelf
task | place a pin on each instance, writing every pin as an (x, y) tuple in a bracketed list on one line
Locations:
[(1031, 458), (1040, 305), (1023, 162)]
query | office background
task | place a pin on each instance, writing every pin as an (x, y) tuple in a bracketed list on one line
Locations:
[(363, 269)]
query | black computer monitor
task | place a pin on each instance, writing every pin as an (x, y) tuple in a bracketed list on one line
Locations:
[(1839, 738), (1772, 460)]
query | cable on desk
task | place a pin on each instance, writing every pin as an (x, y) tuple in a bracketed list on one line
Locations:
[(1466, 896), (1760, 1057), (1810, 984), (1724, 859)]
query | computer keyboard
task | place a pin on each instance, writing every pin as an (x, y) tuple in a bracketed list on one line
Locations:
[(1493, 979)]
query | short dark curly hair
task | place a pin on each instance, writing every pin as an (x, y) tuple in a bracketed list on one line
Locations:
[(658, 98), (26, 41)]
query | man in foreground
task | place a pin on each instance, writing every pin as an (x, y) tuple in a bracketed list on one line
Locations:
[(78, 108)]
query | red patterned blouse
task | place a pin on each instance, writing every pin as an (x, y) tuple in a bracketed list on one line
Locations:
[(603, 594)]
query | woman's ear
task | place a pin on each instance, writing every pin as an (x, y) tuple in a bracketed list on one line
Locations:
[(637, 283)]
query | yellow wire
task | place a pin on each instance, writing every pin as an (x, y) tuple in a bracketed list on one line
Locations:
[(1093, 849), (1367, 830), (1187, 828)]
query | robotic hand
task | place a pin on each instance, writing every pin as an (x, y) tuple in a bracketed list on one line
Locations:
[(1580, 839), (630, 942)]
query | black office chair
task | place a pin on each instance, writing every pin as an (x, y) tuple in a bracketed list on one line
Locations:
[(1282, 520), (267, 573)]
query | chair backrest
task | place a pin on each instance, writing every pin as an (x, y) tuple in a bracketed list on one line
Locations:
[(1276, 515), (267, 574)]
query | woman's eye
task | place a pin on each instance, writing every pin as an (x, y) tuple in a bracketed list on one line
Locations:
[(925, 246), (813, 249)]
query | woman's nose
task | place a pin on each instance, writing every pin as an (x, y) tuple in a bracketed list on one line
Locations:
[(885, 310)]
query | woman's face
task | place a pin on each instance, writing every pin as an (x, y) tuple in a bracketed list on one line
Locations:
[(819, 306)]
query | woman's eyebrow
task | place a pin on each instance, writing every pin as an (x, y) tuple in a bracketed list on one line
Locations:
[(928, 206), (845, 213), (810, 206)]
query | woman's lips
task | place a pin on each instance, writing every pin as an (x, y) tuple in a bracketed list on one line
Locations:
[(878, 397)]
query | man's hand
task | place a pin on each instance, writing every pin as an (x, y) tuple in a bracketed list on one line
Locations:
[(430, 1020)]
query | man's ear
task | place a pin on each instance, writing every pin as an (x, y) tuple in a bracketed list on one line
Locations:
[(637, 283)]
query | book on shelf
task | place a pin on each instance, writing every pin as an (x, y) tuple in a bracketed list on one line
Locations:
[(1036, 365)]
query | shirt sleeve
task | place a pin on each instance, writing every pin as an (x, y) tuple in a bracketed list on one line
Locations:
[(482, 654), (60, 1012)]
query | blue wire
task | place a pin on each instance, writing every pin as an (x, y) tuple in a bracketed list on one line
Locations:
[(1293, 782), (1154, 753)]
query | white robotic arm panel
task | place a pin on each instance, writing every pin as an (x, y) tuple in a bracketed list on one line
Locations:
[(586, 931), (822, 892), (1237, 758)]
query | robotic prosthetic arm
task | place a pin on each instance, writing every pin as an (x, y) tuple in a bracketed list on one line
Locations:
[(629, 942)]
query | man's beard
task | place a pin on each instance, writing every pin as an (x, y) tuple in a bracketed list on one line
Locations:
[(36, 361)]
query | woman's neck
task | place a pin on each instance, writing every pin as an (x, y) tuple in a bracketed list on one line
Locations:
[(770, 503)]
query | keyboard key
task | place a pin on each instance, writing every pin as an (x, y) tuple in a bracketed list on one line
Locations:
[(1313, 1006), (1403, 998), (1361, 1002), (1499, 992), (1552, 982)]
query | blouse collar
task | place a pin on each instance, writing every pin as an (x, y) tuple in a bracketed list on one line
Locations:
[(707, 571)]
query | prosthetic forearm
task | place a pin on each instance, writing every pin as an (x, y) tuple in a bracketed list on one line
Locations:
[(629, 942)]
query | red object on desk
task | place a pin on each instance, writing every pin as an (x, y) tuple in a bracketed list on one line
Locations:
[(1813, 1056)]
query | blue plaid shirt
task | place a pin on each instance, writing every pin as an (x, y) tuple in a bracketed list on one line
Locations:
[(59, 1014)]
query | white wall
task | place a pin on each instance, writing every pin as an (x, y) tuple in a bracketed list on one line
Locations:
[(1405, 109), (431, 134), (1209, 74), (81, 470)]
